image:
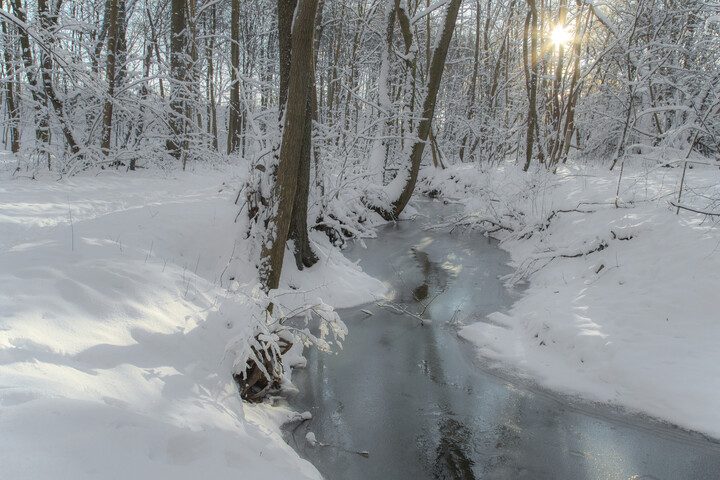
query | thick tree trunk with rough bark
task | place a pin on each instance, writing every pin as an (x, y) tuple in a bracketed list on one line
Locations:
[(304, 256), (286, 10), (301, 71)]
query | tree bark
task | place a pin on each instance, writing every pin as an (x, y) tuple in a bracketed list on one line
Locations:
[(212, 105), (112, 11), (233, 141), (178, 75), (273, 249), (473, 80), (12, 98), (286, 10), (531, 75), (304, 256)]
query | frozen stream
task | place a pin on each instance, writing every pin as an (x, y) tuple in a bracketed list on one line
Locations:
[(415, 399)]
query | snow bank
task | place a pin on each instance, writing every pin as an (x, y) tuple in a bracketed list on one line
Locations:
[(114, 325), (621, 303)]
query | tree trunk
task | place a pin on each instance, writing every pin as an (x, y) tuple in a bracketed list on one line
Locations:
[(112, 11), (178, 75), (156, 46), (286, 10), (380, 146), (273, 249), (212, 104), (423, 128), (557, 107), (531, 75), (304, 255), (11, 89), (233, 141), (473, 80), (48, 22)]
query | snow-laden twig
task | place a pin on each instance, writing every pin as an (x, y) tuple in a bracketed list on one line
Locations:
[(701, 212)]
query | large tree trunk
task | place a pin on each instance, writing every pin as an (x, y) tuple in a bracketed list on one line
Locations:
[(286, 10), (423, 128), (301, 71), (304, 256), (178, 75)]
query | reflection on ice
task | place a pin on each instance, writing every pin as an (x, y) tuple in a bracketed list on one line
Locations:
[(413, 397)]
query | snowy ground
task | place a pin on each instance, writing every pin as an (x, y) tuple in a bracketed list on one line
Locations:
[(117, 338), (621, 304)]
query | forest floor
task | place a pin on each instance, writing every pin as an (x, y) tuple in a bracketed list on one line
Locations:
[(118, 337), (621, 303)]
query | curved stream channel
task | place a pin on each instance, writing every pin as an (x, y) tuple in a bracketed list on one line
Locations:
[(415, 399)]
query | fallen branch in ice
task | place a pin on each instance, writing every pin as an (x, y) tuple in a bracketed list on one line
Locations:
[(310, 438), (403, 310)]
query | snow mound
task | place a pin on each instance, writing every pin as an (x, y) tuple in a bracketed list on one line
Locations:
[(115, 326)]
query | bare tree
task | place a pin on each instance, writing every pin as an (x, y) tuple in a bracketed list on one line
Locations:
[(405, 182)]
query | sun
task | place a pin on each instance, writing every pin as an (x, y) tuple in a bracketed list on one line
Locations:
[(560, 36)]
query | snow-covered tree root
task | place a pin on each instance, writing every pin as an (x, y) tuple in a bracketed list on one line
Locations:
[(261, 364), (264, 369)]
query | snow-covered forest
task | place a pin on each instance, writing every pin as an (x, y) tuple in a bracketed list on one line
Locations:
[(100, 83), (179, 178)]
